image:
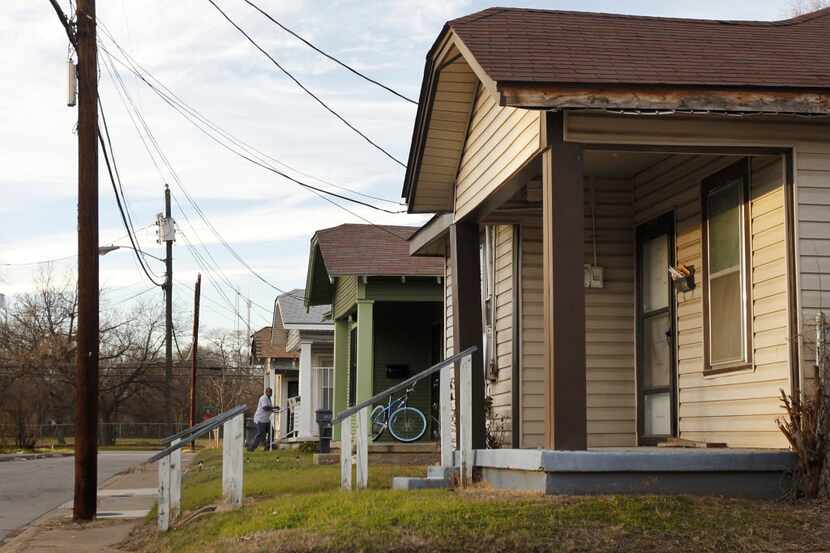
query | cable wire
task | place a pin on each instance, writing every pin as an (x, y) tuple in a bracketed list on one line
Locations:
[(304, 88), (329, 56)]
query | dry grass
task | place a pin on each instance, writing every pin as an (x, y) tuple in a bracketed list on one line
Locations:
[(296, 507)]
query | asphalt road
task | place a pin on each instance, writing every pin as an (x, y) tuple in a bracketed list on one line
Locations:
[(29, 489)]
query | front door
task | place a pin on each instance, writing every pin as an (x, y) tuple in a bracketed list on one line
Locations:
[(655, 332)]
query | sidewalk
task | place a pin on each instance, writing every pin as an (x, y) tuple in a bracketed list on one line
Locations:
[(123, 502)]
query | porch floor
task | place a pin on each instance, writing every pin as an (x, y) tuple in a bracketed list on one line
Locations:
[(642, 470)]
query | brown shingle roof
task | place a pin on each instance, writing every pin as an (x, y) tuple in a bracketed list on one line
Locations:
[(524, 45), (272, 344), (373, 250)]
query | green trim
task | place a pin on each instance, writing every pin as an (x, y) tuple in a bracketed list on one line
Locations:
[(341, 369), (365, 349), (413, 289)]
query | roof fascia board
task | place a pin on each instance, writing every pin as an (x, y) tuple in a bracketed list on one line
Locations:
[(488, 83), (309, 326), (434, 230), (665, 98)]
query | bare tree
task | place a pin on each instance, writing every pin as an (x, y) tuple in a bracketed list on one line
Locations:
[(801, 7)]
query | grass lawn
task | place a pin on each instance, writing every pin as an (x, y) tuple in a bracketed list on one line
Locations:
[(293, 505)]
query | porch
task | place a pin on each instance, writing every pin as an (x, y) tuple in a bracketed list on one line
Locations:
[(750, 473), (575, 246)]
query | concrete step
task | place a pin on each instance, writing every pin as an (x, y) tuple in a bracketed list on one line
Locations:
[(412, 483), (439, 472)]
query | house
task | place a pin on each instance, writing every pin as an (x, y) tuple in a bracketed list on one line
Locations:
[(647, 202), (306, 385), (387, 309), (268, 351)]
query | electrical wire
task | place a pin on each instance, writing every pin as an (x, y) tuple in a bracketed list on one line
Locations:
[(171, 98), (304, 88), (329, 56)]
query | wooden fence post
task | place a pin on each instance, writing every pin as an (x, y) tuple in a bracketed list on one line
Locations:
[(346, 453), (363, 448), (233, 460), (465, 426), (445, 408), (164, 494), (175, 482)]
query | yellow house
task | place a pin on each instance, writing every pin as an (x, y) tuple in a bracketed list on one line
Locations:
[(634, 214)]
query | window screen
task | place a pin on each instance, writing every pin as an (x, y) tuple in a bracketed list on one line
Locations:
[(726, 279)]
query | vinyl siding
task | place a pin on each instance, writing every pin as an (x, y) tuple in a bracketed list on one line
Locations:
[(610, 317), (738, 408), (499, 141), (532, 386), (345, 295), (501, 390), (810, 141), (448, 120)]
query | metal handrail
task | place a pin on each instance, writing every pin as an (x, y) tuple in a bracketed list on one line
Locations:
[(186, 431), (403, 385), (198, 431)]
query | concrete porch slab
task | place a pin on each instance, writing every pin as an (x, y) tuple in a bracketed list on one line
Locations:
[(721, 472)]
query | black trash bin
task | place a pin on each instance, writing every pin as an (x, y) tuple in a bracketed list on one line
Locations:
[(250, 430), (324, 424)]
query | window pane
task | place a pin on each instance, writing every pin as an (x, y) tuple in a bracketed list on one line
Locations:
[(726, 324), (657, 413), (656, 353), (724, 228), (655, 267)]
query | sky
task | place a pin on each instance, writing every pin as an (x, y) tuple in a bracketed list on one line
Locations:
[(199, 56)]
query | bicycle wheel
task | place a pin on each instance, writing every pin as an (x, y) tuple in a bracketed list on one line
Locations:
[(378, 421), (407, 424)]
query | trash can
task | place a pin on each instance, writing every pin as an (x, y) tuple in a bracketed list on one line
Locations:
[(250, 430), (324, 424)]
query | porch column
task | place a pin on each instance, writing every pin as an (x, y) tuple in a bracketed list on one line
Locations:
[(282, 382), (564, 293), (305, 418), (365, 349), (467, 328), (341, 369)]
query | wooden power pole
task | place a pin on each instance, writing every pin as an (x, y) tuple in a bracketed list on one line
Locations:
[(86, 370), (194, 353), (167, 236)]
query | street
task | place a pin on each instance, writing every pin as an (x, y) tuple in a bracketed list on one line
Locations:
[(28, 489)]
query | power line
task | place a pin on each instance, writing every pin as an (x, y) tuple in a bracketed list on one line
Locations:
[(170, 97), (329, 56), (303, 87)]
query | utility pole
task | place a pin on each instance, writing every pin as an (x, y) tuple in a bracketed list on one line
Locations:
[(194, 354), (86, 368), (167, 235)]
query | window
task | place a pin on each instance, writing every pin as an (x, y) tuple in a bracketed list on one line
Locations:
[(487, 252), (727, 277)]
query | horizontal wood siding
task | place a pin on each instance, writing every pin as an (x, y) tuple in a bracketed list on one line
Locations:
[(532, 386), (345, 295), (499, 141), (609, 315), (737, 408), (501, 389)]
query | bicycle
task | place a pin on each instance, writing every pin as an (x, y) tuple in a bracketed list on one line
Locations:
[(405, 424)]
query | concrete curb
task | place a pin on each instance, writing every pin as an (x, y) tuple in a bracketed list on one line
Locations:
[(30, 456)]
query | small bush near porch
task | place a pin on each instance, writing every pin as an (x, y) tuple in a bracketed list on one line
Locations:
[(293, 505)]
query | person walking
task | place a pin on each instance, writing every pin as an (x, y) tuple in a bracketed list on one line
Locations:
[(262, 419)]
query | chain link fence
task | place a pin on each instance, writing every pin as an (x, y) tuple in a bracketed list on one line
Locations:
[(49, 435)]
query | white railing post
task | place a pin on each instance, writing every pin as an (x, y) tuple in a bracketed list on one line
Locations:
[(164, 494), (445, 408), (175, 482), (232, 460), (465, 424), (363, 448), (346, 453)]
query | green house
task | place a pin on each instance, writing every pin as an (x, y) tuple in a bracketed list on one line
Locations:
[(387, 308)]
